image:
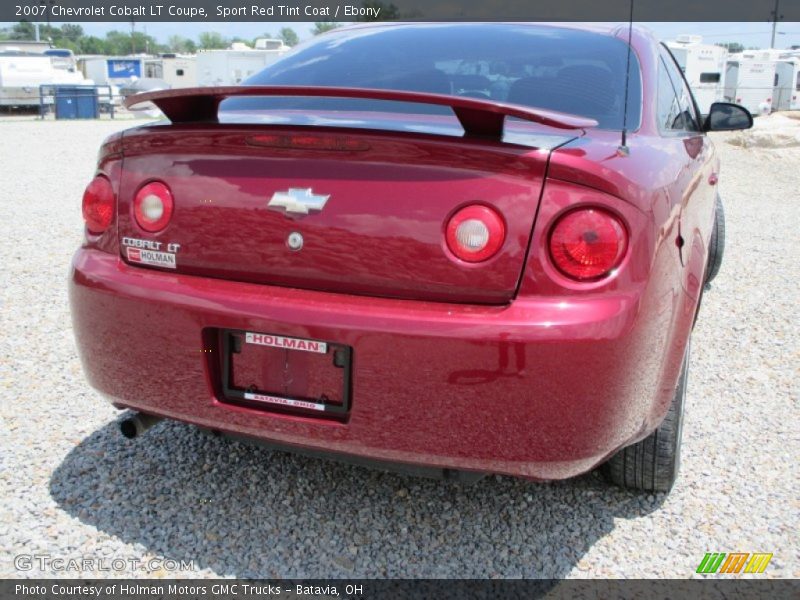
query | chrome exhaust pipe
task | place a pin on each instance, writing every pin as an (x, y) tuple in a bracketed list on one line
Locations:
[(137, 424)]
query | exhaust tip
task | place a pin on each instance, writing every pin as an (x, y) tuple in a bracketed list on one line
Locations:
[(137, 424), (128, 428)]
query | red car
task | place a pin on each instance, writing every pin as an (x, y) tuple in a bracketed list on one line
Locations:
[(454, 249)]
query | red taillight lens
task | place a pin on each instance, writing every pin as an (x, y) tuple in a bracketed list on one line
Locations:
[(475, 233), (98, 204), (153, 206), (588, 243)]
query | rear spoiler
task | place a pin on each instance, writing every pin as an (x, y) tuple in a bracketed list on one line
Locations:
[(482, 118)]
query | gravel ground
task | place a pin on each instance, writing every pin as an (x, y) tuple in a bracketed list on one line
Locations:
[(73, 488)]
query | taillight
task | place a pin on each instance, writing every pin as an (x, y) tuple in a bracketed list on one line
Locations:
[(587, 243), (153, 206), (475, 233), (98, 204)]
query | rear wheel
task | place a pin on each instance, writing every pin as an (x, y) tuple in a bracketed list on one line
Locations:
[(716, 246), (652, 464)]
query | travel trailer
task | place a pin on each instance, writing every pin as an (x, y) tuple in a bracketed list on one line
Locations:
[(116, 70), (703, 66), (750, 81), (176, 70), (786, 95), (21, 74), (231, 67), (179, 71)]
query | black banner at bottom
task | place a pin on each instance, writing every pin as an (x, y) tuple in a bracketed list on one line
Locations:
[(461, 589)]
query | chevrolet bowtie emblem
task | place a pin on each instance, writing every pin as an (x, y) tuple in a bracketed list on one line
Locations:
[(298, 201)]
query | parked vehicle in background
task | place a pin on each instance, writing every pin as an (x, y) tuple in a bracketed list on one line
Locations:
[(750, 81), (485, 255), (115, 70), (231, 67), (64, 59), (22, 74), (145, 84), (787, 84), (179, 71), (703, 65)]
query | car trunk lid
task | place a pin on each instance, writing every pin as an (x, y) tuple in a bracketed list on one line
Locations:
[(340, 209)]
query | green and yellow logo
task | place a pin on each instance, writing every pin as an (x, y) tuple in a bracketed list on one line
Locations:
[(732, 563)]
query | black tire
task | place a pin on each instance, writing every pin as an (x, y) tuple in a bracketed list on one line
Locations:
[(652, 464), (716, 247)]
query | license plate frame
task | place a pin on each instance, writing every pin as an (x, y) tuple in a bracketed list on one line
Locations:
[(341, 357)]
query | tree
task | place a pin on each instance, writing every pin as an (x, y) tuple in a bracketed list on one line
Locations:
[(71, 32), (323, 26), (733, 47), (289, 36), (212, 40), (118, 42), (22, 31), (239, 39), (139, 42), (92, 45), (178, 43)]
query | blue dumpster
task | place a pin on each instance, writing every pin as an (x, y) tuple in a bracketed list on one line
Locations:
[(76, 102)]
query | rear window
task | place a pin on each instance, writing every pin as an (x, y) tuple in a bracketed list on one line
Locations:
[(577, 72), (709, 77)]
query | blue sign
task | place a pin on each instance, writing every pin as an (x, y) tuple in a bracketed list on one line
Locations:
[(124, 68)]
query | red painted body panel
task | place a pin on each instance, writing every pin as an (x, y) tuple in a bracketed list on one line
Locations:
[(504, 367), (381, 230), (478, 117), (542, 388)]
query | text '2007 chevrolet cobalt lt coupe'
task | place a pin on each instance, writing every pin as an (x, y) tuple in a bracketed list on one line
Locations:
[(450, 248)]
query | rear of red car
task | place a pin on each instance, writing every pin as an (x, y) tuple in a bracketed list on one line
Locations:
[(363, 277)]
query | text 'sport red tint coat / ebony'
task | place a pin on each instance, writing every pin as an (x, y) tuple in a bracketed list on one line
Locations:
[(413, 243)]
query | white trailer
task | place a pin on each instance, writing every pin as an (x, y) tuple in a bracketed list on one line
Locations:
[(704, 68), (750, 82), (21, 74), (231, 67), (179, 71), (114, 70), (787, 85)]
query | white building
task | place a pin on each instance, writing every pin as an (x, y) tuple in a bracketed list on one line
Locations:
[(112, 70), (177, 70), (231, 67), (786, 95), (750, 81), (704, 68)]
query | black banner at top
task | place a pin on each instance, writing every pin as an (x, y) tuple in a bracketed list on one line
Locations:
[(383, 10)]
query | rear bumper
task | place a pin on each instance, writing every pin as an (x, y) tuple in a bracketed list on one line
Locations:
[(539, 389)]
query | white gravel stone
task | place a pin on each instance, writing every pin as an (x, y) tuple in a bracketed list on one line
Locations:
[(73, 488)]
